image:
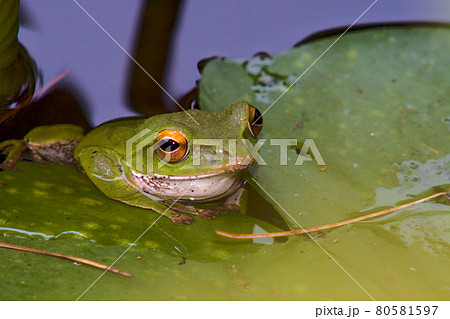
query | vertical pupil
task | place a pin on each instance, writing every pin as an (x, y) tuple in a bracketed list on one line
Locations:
[(169, 145)]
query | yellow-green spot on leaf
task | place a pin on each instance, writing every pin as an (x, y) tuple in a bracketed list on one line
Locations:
[(377, 36), (92, 225), (151, 244), (8, 177), (299, 100), (306, 57), (40, 184), (124, 242), (221, 254), (48, 223), (313, 134), (299, 64), (66, 190), (114, 226), (39, 193), (121, 219), (352, 54), (378, 113), (12, 191), (301, 289), (288, 110), (84, 188), (90, 201)]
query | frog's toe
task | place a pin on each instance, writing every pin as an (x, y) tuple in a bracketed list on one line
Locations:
[(39, 160), (213, 212), (180, 219), (13, 149), (8, 165)]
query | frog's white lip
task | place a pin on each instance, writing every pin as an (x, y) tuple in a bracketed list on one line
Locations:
[(228, 169), (200, 188)]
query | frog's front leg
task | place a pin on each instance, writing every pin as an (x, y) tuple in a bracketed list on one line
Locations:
[(49, 143), (234, 202)]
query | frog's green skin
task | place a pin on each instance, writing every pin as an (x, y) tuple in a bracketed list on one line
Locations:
[(125, 173)]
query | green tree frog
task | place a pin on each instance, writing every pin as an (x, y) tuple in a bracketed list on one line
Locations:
[(166, 163)]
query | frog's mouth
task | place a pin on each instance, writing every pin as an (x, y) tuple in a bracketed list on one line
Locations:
[(200, 188)]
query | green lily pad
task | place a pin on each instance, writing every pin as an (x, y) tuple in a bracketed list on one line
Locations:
[(378, 98), (57, 209), (377, 107)]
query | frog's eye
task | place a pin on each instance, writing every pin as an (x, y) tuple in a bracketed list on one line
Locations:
[(171, 146), (255, 121)]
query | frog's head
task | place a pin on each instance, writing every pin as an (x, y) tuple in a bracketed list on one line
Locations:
[(204, 148)]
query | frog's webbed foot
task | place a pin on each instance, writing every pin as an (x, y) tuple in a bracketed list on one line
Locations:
[(39, 160), (181, 219), (213, 212), (205, 213), (13, 149)]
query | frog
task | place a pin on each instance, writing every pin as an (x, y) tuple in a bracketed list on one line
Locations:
[(177, 164)]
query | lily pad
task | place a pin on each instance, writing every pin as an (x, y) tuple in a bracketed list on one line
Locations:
[(377, 98), (58, 209), (377, 107)]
